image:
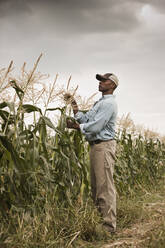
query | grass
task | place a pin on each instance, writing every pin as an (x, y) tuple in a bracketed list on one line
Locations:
[(141, 223), (53, 227)]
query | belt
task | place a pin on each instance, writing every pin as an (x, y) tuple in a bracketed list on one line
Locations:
[(97, 142)]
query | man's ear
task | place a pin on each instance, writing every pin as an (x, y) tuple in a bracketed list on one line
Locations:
[(113, 85)]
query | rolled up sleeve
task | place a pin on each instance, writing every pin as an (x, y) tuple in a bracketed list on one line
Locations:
[(80, 117)]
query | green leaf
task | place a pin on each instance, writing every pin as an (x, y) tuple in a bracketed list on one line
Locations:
[(18, 90), (28, 108), (6, 116), (10, 105), (18, 162), (26, 134), (3, 105), (48, 122), (52, 109)]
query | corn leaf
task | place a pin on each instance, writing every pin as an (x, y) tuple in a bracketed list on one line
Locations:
[(28, 108), (18, 162), (19, 91)]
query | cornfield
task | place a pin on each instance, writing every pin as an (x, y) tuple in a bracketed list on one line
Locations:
[(45, 172)]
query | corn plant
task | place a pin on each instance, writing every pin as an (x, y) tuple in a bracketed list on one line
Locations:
[(140, 162), (34, 164)]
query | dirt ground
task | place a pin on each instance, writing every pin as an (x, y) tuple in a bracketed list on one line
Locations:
[(138, 235)]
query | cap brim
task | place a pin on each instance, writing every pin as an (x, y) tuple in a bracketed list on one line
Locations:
[(99, 77)]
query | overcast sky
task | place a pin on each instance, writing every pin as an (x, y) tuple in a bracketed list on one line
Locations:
[(82, 38)]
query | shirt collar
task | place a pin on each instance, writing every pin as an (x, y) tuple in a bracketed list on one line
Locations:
[(106, 96)]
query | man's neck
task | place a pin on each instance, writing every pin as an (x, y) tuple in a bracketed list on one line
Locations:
[(107, 93)]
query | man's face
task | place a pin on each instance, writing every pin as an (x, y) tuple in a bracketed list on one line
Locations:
[(105, 85)]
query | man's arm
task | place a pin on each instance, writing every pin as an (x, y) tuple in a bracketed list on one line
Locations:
[(100, 120)]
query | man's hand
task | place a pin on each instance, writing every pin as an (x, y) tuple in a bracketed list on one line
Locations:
[(71, 124)]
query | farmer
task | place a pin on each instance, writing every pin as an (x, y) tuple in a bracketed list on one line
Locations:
[(98, 126)]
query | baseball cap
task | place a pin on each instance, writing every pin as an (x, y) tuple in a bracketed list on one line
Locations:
[(106, 76)]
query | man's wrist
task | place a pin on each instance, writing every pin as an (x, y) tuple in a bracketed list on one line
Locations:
[(77, 126)]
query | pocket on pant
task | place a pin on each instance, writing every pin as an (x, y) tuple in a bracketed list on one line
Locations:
[(99, 147), (109, 160), (110, 150)]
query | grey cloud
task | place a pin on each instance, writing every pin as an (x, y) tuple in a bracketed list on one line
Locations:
[(13, 7), (91, 16), (157, 4), (76, 16)]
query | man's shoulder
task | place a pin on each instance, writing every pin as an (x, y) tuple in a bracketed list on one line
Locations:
[(109, 100)]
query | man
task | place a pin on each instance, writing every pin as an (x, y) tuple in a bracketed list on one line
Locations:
[(98, 126)]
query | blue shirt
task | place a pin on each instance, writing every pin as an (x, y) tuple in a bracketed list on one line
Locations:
[(99, 122)]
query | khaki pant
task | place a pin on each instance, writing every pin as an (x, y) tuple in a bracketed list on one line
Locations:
[(102, 158)]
